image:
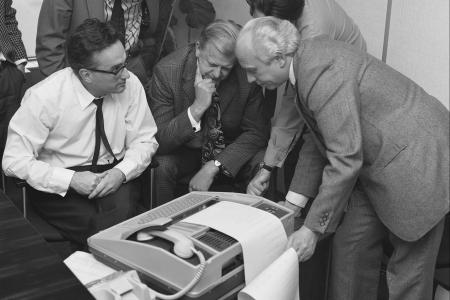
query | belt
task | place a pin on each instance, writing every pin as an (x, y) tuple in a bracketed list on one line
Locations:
[(95, 169)]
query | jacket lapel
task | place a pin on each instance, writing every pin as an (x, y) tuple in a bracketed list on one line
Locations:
[(228, 89), (190, 68), (307, 114)]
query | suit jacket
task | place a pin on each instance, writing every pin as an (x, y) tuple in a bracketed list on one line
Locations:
[(59, 18), (171, 92), (375, 126), (11, 44)]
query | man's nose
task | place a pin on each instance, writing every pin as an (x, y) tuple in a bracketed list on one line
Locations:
[(125, 73)]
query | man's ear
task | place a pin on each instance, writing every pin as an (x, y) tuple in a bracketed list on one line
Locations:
[(197, 48), (281, 60), (85, 75)]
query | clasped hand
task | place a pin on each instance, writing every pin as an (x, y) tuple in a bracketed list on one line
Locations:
[(97, 185), (204, 178), (259, 184)]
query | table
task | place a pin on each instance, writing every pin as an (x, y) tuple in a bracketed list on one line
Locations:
[(29, 268)]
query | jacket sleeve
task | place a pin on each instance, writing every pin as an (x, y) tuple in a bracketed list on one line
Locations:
[(286, 128), (254, 136), (173, 130), (309, 169), (333, 98), (52, 32)]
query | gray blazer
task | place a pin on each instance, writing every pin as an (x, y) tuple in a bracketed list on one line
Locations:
[(374, 126), (59, 18)]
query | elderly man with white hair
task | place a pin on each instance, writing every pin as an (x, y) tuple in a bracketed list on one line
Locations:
[(383, 158)]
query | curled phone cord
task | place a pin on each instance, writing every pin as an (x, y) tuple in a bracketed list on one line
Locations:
[(191, 284)]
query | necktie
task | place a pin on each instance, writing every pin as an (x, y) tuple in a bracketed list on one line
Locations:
[(118, 20), (100, 134), (213, 139)]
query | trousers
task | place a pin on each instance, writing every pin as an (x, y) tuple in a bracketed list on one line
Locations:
[(76, 217), (357, 254)]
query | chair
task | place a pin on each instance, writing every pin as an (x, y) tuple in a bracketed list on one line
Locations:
[(148, 190)]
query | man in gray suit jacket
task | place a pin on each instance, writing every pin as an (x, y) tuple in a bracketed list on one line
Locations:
[(384, 154), (180, 94), (58, 19)]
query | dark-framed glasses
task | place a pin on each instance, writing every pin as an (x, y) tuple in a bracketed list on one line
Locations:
[(115, 71)]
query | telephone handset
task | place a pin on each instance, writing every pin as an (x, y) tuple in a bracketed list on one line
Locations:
[(184, 248), (182, 245)]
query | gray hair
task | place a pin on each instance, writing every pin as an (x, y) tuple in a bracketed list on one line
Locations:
[(222, 35), (271, 37)]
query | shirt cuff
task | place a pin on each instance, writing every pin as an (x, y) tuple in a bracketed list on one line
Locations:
[(60, 180), (20, 61), (127, 167), (195, 125), (296, 199)]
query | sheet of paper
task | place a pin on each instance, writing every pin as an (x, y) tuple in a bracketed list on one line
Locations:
[(260, 233), (278, 281), (86, 268)]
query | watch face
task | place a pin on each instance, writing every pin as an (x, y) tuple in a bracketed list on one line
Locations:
[(217, 163)]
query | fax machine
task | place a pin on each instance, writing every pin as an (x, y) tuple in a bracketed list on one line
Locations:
[(157, 244)]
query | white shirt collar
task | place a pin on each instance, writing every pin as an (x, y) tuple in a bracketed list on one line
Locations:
[(81, 93), (291, 72)]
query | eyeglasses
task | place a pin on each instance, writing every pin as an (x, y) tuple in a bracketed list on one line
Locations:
[(115, 71)]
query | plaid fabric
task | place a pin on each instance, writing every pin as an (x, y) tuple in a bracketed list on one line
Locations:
[(11, 44), (132, 14)]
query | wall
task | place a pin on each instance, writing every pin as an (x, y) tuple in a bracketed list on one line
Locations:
[(411, 37)]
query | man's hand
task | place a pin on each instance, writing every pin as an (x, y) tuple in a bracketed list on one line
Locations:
[(259, 184), (297, 209), (303, 241), (85, 182), (203, 94), (204, 178), (111, 181)]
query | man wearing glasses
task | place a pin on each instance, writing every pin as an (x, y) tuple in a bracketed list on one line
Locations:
[(82, 136), (210, 121)]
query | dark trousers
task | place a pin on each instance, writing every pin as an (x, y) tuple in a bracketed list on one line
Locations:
[(76, 217), (175, 170), (11, 81), (358, 252)]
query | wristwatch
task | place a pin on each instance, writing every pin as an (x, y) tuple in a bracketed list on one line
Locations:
[(222, 168), (263, 165)]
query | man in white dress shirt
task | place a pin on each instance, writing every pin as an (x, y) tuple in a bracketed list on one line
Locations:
[(82, 136)]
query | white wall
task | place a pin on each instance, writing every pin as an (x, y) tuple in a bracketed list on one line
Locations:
[(417, 38)]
